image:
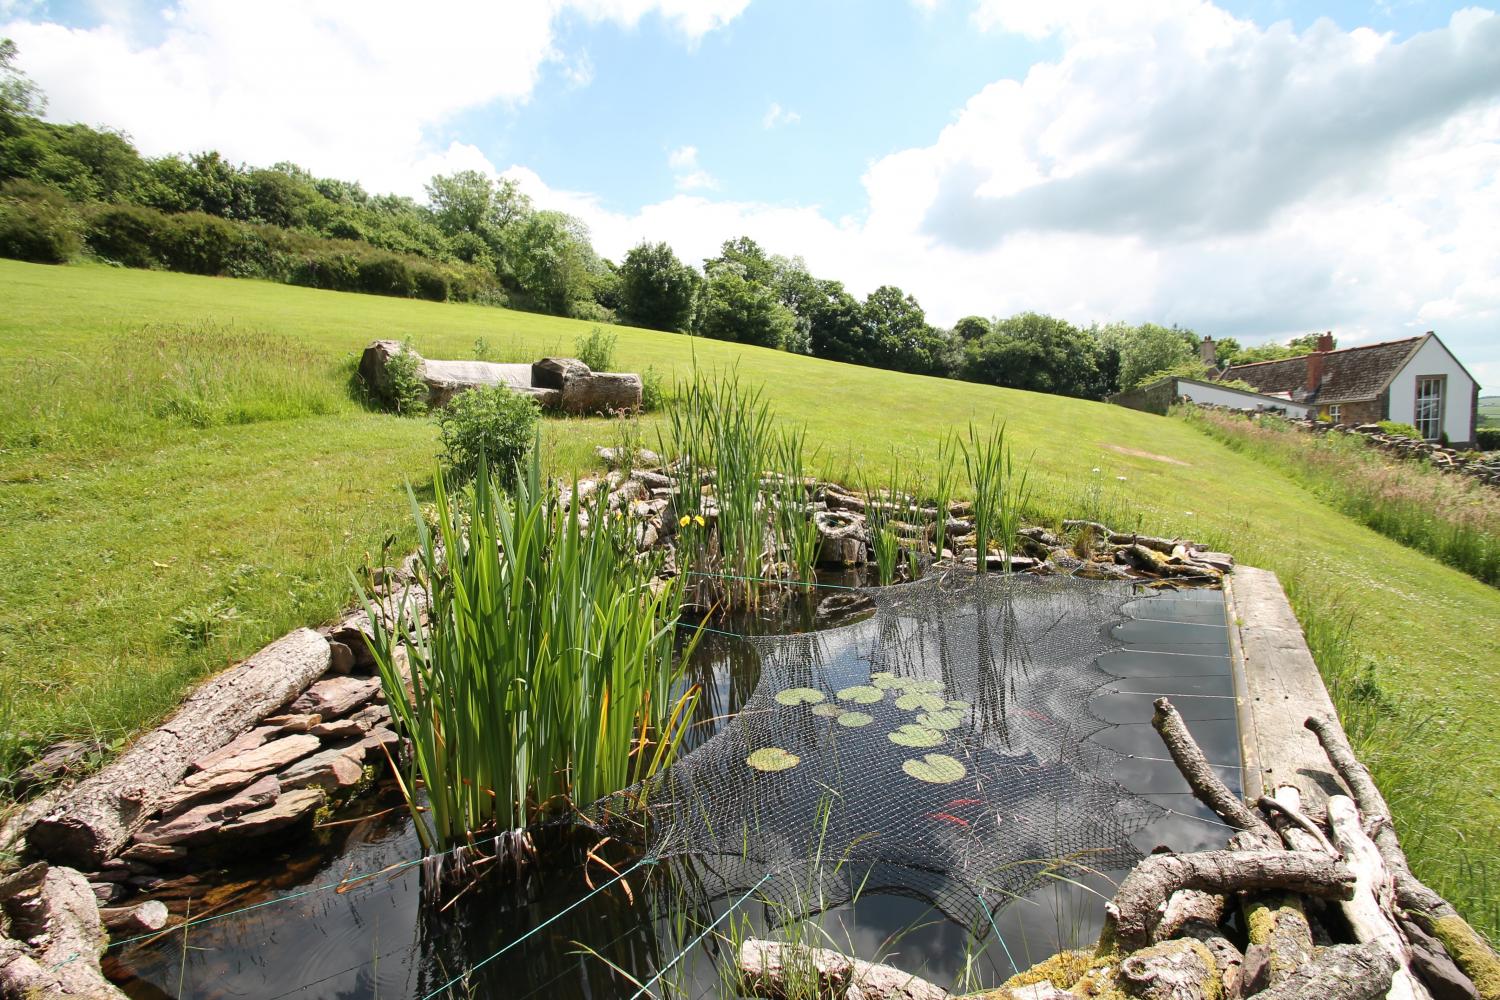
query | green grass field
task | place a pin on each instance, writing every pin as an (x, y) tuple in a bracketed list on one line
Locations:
[(1489, 411), (120, 529)]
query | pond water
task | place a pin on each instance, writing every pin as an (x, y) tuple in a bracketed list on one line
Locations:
[(571, 932)]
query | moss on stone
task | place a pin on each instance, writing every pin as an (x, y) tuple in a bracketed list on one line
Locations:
[(1471, 953), (1061, 970)]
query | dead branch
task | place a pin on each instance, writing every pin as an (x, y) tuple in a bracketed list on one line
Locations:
[(1133, 911), (1342, 972), (1294, 816), (1201, 777), (771, 969)]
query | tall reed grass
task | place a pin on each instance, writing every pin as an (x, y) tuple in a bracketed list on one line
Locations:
[(1451, 518), (547, 672), (1000, 488)]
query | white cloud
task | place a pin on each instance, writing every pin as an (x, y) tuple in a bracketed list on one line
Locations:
[(777, 115), (1246, 181), (344, 88), (687, 173)]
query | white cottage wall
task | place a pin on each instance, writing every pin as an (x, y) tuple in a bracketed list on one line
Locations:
[(1239, 399), (1432, 358)]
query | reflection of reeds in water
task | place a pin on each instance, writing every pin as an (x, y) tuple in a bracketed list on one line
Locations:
[(1003, 661)]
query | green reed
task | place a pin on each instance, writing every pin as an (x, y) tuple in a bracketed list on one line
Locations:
[(796, 532), (544, 676), (1000, 490), (943, 483)]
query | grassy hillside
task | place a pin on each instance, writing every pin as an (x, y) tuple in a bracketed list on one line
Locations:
[(1489, 411), (125, 531)]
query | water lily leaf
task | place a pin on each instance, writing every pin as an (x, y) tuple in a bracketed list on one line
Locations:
[(959, 706), (941, 720), (930, 687), (773, 759), (914, 701), (887, 682), (799, 696), (827, 710), (935, 768), (855, 719), (915, 736), (861, 694)]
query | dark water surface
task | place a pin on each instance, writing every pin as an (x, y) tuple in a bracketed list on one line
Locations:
[(381, 937)]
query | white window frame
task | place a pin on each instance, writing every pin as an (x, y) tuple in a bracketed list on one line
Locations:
[(1333, 412), (1433, 416)]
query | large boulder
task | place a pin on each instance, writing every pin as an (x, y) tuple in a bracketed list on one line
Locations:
[(564, 384), (555, 373), (602, 392)]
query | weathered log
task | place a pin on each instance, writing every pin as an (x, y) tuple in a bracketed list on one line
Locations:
[(1299, 832), (1183, 969), (95, 819), (1280, 940), (62, 920), (1133, 911), (1343, 972), (127, 921), (1206, 786), (767, 968), (1189, 907), (1371, 913), (1470, 951)]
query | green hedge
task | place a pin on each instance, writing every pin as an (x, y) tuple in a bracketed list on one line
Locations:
[(205, 244), (37, 223), (1488, 438)]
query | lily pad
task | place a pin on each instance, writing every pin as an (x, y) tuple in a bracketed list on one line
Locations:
[(930, 687), (959, 706), (827, 710), (915, 736), (861, 694), (920, 701), (887, 682), (855, 719), (799, 696), (941, 720), (773, 759), (935, 769)]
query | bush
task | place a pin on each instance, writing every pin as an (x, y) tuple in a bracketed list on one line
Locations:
[(597, 349), (1399, 429), (37, 224), (198, 243), (491, 421), (404, 390), (653, 390), (125, 234), (1487, 438)]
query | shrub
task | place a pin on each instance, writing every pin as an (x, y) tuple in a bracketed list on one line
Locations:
[(491, 422), (198, 243), (1487, 438), (597, 349), (1399, 429), (37, 224), (653, 390), (125, 234), (404, 389), (386, 275)]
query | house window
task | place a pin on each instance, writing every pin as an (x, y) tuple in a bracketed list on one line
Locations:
[(1333, 413), (1428, 418)]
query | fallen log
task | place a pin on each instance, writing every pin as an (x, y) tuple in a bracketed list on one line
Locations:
[(1279, 939), (96, 818), (1206, 785), (1132, 914), (771, 969), (1434, 914), (1182, 969), (1342, 972), (1371, 912), (59, 916)]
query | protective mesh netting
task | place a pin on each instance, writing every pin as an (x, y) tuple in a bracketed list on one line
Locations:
[(994, 780)]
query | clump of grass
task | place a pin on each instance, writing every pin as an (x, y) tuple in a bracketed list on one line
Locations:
[(597, 349), (1451, 518), (796, 531), (942, 488), (544, 677), (885, 509), (488, 423), (405, 391), (653, 390), (1000, 491), (716, 428)]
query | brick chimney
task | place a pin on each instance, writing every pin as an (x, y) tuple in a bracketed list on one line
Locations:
[(1208, 352), (1315, 361)]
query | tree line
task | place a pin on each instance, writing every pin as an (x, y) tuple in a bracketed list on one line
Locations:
[(71, 189)]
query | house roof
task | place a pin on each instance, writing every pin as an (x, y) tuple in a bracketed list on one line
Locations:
[(1354, 373)]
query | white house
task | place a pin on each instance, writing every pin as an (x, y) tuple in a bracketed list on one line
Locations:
[(1416, 381)]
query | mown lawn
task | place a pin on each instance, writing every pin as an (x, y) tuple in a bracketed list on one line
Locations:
[(117, 538)]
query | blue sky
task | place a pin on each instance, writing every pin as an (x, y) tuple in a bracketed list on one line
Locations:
[(1253, 169)]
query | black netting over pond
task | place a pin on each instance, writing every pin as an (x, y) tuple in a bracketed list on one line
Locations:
[(940, 748)]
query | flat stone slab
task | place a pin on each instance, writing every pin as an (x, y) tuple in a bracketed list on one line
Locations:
[(330, 770), (202, 822), (337, 696), (237, 772), (291, 808)]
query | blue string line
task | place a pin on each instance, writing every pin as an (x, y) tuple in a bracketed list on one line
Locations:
[(646, 989), (1000, 937), (556, 916)]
